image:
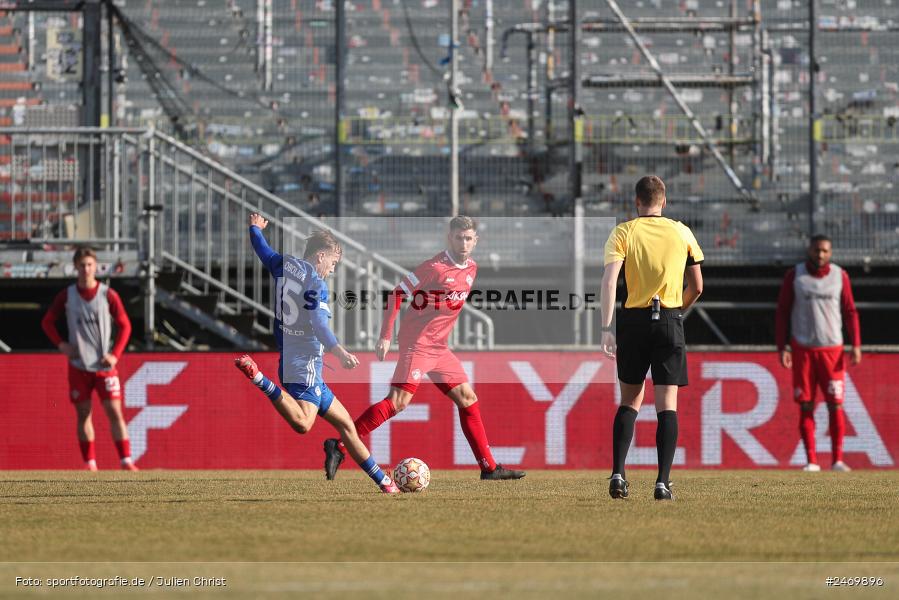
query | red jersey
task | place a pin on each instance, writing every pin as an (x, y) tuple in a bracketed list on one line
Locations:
[(813, 305), (435, 291), (116, 310)]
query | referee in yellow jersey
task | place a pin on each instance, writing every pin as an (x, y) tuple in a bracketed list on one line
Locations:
[(655, 252)]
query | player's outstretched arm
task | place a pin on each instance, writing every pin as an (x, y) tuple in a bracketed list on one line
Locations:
[(271, 259), (257, 220)]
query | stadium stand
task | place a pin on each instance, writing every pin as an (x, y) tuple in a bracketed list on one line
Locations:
[(395, 103)]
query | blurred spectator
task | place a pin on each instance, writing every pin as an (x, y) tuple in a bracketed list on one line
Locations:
[(727, 235)]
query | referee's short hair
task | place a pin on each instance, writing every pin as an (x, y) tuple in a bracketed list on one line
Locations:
[(650, 191)]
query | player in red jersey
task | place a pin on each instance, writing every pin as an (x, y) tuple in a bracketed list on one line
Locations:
[(436, 291), (815, 300), (91, 308)]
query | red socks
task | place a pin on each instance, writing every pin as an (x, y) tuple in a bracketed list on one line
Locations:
[(372, 418), (837, 432), (473, 428), (123, 447), (88, 452), (469, 418), (807, 430)]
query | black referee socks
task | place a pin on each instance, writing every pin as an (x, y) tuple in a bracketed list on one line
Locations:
[(622, 434), (666, 443)]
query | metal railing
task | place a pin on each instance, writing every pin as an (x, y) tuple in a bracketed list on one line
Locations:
[(189, 214), (64, 183)]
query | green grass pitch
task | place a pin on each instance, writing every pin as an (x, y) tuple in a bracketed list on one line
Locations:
[(738, 533)]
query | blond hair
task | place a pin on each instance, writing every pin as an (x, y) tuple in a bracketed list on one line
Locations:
[(322, 239)]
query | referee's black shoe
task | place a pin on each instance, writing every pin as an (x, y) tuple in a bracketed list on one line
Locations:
[(333, 457), (663, 491), (500, 473), (617, 487)]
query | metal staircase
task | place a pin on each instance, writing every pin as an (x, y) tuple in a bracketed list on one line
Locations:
[(188, 215)]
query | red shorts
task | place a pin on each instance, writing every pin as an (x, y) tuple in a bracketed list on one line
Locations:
[(81, 383), (442, 366), (818, 368)]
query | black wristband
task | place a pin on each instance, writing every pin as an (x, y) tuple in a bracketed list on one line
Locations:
[(609, 329)]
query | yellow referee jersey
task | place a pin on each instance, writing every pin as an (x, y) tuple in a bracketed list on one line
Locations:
[(655, 251)]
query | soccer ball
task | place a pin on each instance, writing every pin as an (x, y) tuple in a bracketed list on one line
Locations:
[(412, 475)]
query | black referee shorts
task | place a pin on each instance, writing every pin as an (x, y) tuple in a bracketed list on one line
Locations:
[(644, 343)]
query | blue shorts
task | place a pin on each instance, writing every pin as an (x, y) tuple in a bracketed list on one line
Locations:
[(313, 388)]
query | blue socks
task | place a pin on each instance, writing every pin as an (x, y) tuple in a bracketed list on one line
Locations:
[(267, 386), (372, 469), (273, 392)]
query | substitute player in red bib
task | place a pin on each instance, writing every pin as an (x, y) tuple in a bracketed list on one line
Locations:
[(815, 300), (91, 308), (436, 291)]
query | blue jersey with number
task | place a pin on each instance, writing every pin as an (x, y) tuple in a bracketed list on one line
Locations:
[(301, 304)]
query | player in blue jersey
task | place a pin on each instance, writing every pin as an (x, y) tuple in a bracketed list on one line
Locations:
[(303, 335)]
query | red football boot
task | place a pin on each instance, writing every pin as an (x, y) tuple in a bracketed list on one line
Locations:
[(247, 366), (390, 487)]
